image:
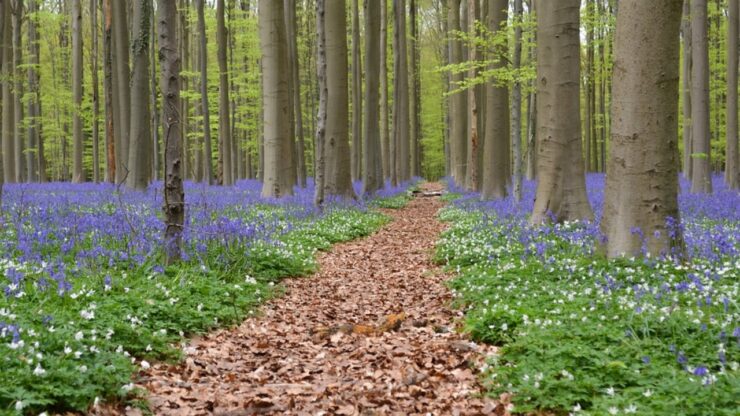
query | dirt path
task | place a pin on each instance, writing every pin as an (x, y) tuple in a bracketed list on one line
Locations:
[(303, 356)]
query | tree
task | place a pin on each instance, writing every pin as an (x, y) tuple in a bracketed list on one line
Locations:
[(333, 153), (457, 107), (497, 114), (372, 170), (122, 86), (356, 159), (95, 90), (701, 175), (472, 180), (384, 118), (295, 91), (206, 155), (686, 88), (641, 195), (224, 121), (732, 163), (278, 176), (111, 113), (561, 189), (35, 164), (400, 142), (8, 101), (170, 66), (78, 175), (516, 105), (415, 95), (140, 145)]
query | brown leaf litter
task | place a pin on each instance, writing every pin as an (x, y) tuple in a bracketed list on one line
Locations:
[(370, 334)]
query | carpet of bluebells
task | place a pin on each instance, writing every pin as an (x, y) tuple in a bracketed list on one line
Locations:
[(85, 301), (583, 335)]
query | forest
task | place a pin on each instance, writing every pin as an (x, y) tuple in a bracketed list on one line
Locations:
[(369, 207)]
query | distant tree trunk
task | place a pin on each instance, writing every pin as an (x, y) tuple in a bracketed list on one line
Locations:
[(8, 120), (296, 93), (4, 21), (122, 79), (471, 175), (207, 145), (415, 95), (497, 132), (701, 176), (278, 176), (589, 85), (170, 65), (108, 87), (516, 105), (400, 96), (356, 159), (561, 189), (155, 116), (19, 145), (95, 90), (642, 175), (290, 155), (224, 121), (140, 145), (184, 45), (372, 170), (732, 166), (458, 103), (78, 175), (33, 138), (686, 90), (384, 118), (321, 69), (532, 108)]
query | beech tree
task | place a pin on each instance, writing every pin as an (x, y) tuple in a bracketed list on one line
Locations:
[(356, 148), (457, 105), (122, 82), (6, 76), (701, 174), (372, 170), (732, 168), (207, 146), (140, 143), (561, 189), (77, 173), (400, 141), (642, 172), (224, 120)]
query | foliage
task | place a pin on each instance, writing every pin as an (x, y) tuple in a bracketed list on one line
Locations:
[(582, 333), (86, 303)]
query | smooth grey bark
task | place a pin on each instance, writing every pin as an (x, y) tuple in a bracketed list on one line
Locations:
[(122, 82), (34, 99), (207, 149), (356, 148), (95, 90), (8, 101), (321, 71), (224, 115), (400, 170), (415, 94), (686, 88), (516, 105), (4, 12), (291, 30), (111, 112), (642, 172), (372, 169), (78, 175), (701, 175), (384, 117), (472, 174), (140, 142), (561, 188), (19, 146), (278, 175), (457, 101), (732, 170), (497, 132), (170, 66)]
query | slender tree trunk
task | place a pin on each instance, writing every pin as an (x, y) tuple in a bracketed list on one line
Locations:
[(8, 120), (642, 177), (291, 27), (701, 158), (278, 176), (532, 109), (108, 87), (458, 103), (415, 83), (224, 120), (19, 145), (471, 175), (561, 189), (170, 65), (95, 90), (686, 90), (78, 175), (401, 95), (372, 169), (384, 117), (140, 145), (155, 117), (207, 145), (122, 79), (321, 69), (516, 97), (589, 85), (497, 132), (4, 21), (356, 160), (732, 168), (32, 106)]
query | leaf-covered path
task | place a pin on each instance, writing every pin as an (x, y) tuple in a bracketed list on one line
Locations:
[(320, 349)]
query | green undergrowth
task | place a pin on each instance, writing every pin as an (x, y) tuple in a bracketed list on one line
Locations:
[(583, 335), (85, 346)]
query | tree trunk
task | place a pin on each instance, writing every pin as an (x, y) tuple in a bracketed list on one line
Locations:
[(170, 65), (19, 144), (686, 89), (561, 189), (140, 145), (372, 170), (641, 197), (8, 121), (78, 175), (400, 96), (356, 94), (108, 87), (155, 117), (122, 79), (224, 121), (516, 97), (300, 159), (95, 90), (532, 108), (415, 95), (458, 103), (33, 141), (207, 155), (471, 174), (384, 117), (278, 176), (497, 132), (732, 170), (701, 176)]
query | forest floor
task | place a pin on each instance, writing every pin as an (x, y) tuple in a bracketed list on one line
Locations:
[(372, 333)]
